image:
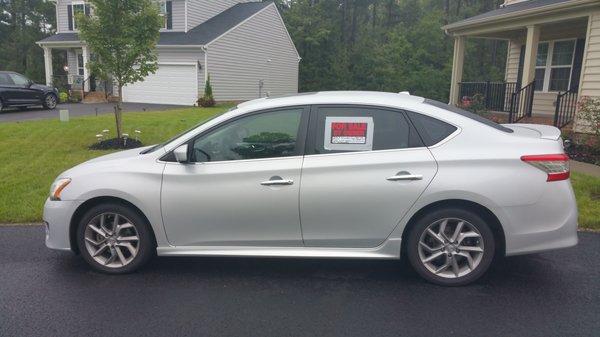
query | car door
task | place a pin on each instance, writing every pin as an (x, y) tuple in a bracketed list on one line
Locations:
[(242, 186), (8, 88), (365, 167), (23, 93)]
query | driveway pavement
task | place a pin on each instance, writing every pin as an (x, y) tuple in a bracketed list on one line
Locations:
[(48, 293), (80, 109)]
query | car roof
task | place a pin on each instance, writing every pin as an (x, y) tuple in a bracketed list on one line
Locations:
[(390, 99)]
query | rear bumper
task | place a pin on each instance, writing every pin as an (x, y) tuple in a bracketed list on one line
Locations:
[(57, 219), (549, 224)]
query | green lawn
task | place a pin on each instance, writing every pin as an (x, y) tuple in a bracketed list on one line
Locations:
[(33, 153)]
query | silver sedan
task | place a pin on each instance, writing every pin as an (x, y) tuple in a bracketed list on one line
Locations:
[(325, 175)]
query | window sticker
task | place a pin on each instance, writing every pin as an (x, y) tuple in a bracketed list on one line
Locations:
[(349, 133)]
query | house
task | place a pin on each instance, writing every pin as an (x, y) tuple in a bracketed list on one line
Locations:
[(243, 45), (553, 57)]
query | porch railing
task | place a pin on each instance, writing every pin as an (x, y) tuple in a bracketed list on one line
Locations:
[(496, 96), (566, 105), (521, 103)]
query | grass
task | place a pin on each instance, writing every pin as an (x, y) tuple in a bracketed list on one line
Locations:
[(33, 153), (587, 192)]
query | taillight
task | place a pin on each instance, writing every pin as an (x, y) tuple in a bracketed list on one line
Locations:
[(555, 165)]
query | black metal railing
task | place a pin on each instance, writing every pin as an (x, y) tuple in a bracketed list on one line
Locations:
[(521, 103), (495, 96), (566, 105)]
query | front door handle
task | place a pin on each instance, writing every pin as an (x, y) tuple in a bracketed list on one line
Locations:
[(277, 181), (403, 175)]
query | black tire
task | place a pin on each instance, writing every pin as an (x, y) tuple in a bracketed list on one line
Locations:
[(47, 104), (421, 225), (146, 246)]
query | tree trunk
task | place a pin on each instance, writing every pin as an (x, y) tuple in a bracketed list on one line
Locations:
[(118, 118)]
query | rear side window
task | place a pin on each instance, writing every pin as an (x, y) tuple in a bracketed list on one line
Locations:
[(468, 114), (432, 130), (5, 80), (356, 128)]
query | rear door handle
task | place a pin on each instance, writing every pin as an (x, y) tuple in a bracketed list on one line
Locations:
[(277, 181), (405, 176)]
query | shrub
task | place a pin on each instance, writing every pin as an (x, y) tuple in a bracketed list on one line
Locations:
[(207, 100), (63, 97), (75, 97), (589, 114)]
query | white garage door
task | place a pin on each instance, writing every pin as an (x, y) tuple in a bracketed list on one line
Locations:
[(171, 84)]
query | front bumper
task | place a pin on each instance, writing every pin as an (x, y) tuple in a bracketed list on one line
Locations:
[(57, 219)]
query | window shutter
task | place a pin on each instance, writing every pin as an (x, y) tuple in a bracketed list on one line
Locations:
[(169, 15), (70, 16), (576, 71), (87, 9), (520, 71)]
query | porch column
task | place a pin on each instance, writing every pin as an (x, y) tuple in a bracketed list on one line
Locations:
[(86, 72), (457, 68), (531, 45), (48, 65)]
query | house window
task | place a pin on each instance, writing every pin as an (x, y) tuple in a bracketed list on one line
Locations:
[(80, 65), (164, 13), (553, 65), (78, 9)]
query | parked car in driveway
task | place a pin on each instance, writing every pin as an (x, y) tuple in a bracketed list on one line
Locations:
[(363, 175), (17, 90)]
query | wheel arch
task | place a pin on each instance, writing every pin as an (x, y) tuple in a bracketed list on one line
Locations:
[(488, 216), (88, 204)]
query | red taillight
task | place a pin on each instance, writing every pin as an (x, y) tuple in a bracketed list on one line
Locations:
[(555, 165)]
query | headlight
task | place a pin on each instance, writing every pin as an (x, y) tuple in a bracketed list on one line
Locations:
[(57, 187)]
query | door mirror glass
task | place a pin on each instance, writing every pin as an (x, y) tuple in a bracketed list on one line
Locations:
[(181, 154)]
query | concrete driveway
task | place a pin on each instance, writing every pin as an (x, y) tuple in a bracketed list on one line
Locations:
[(49, 293), (78, 109)]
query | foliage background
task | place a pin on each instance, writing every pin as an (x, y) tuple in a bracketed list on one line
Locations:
[(389, 45)]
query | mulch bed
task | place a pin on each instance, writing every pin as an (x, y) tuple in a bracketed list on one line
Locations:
[(116, 143), (583, 153)]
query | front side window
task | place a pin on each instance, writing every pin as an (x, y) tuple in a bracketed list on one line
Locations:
[(19, 80), (554, 65), (355, 128), (265, 135)]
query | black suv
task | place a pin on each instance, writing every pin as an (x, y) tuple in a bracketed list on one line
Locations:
[(19, 91)]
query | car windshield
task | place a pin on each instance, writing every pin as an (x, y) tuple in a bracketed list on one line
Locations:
[(158, 146)]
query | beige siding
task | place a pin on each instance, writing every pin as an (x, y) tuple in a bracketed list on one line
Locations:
[(512, 61), (202, 10), (62, 15), (590, 81), (544, 103), (258, 49)]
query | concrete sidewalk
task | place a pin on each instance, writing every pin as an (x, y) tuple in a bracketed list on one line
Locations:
[(585, 168)]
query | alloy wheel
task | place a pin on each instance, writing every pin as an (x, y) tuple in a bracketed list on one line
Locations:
[(50, 101), (112, 240), (451, 248)]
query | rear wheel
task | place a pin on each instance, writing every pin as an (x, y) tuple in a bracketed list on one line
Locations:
[(451, 247), (50, 101), (115, 239)]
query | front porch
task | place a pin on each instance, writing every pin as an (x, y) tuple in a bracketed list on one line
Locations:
[(545, 61), (75, 77)]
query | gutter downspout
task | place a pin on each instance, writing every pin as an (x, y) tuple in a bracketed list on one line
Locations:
[(205, 50)]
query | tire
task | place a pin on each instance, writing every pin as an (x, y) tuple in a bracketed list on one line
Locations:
[(1, 105), (117, 257), (50, 101), (442, 259)]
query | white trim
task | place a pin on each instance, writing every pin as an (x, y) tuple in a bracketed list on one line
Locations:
[(205, 64), (239, 24), (175, 46), (56, 13), (548, 67), (585, 55), (186, 16)]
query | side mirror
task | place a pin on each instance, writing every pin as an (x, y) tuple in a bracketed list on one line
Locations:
[(29, 83), (181, 154)]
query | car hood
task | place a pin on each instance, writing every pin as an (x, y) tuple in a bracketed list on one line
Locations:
[(118, 155), (42, 87)]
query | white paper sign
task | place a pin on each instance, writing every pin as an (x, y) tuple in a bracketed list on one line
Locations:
[(349, 133)]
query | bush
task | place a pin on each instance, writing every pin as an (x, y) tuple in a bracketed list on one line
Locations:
[(75, 97), (63, 97), (589, 113), (207, 100)]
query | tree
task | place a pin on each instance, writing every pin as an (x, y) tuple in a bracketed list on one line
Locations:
[(123, 35), (207, 100)]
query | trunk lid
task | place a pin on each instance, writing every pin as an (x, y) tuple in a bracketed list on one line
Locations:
[(535, 131)]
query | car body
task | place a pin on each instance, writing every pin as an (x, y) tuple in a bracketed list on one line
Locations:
[(366, 169), (16, 90)]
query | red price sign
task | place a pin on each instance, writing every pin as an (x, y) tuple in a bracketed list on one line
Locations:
[(348, 133)]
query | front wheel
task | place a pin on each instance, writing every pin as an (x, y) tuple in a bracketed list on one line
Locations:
[(451, 247), (115, 239), (50, 101)]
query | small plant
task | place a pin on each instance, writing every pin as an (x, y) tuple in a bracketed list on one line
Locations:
[(75, 97), (63, 97), (207, 100)]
